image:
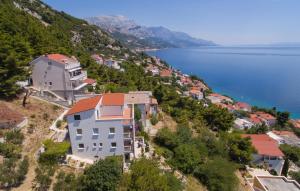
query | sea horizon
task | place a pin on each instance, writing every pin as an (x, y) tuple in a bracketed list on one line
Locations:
[(262, 75)]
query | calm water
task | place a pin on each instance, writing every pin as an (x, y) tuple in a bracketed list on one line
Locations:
[(264, 76)]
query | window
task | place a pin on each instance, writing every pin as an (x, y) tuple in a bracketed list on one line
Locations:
[(100, 145), (77, 117), (95, 131), (50, 83), (112, 130), (113, 145), (79, 132), (81, 146), (94, 145)]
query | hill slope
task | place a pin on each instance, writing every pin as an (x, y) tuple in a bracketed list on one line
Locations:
[(31, 28), (138, 36)]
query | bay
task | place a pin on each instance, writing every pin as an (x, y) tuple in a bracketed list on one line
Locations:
[(261, 76)]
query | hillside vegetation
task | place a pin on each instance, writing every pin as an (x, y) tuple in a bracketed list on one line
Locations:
[(31, 28)]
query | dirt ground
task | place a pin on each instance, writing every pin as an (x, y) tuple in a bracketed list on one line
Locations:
[(40, 116), (166, 121), (194, 185), (242, 184)]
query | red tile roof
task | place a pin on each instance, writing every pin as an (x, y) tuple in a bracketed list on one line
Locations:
[(113, 99), (264, 145), (60, 58), (241, 105), (265, 116), (165, 73), (89, 81), (255, 119), (84, 105)]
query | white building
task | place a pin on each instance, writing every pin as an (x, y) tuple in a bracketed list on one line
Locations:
[(242, 124), (59, 75), (102, 126), (268, 153)]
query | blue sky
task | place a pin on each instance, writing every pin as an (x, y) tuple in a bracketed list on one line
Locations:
[(228, 22)]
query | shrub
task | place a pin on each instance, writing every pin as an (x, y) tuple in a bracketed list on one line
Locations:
[(154, 120), (103, 175), (14, 137), (58, 123), (54, 152)]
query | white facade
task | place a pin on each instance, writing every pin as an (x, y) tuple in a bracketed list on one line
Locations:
[(63, 77), (102, 131), (271, 162), (242, 124)]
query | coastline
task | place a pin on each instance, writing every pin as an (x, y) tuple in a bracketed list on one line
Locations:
[(248, 99)]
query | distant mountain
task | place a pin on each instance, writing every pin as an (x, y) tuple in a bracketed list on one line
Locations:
[(137, 36)]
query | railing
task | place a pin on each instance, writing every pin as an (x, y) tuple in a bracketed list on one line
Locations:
[(127, 135), (127, 148)]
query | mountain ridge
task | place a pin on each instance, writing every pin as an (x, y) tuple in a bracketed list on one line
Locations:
[(137, 36)]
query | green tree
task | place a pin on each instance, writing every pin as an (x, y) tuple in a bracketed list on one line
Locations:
[(145, 175), (186, 158), (66, 182), (218, 118), (240, 149), (217, 174), (282, 118), (54, 151), (104, 175), (137, 113)]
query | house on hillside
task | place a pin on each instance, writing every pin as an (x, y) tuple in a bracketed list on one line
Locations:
[(144, 101), (285, 137), (112, 64), (217, 98), (165, 73), (97, 59), (266, 117), (102, 126), (259, 118), (242, 106), (196, 94), (242, 123), (274, 183), (60, 75), (268, 153)]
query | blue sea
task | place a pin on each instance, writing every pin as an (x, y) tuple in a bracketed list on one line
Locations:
[(261, 76)]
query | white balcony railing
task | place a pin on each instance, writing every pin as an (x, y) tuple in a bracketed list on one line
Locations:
[(127, 148), (127, 135)]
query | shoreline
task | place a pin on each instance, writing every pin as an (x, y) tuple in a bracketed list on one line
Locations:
[(250, 101)]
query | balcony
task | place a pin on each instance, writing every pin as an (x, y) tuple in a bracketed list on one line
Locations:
[(128, 149), (127, 135), (81, 76)]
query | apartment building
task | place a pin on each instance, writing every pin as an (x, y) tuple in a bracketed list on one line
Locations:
[(60, 75), (268, 153), (102, 126)]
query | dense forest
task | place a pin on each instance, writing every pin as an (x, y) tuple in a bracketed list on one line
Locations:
[(31, 28)]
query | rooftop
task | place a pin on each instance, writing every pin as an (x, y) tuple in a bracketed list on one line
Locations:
[(89, 81), (264, 145), (113, 99), (278, 183), (84, 105), (60, 58), (137, 98), (265, 116)]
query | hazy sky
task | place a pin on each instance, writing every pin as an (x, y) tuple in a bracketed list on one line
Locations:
[(223, 21)]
